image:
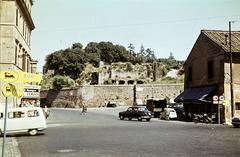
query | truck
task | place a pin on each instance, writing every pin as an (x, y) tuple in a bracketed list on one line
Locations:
[(156, 106)]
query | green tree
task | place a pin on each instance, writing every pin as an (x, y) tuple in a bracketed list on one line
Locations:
[(93, 53), (150, 55), (77, 45), (60, 82), (69, 62), (131, 48)]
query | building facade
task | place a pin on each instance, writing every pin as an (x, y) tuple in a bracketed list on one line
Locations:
[(207, 74), (16, 25)]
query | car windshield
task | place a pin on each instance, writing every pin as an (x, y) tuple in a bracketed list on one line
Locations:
[(142, 109)]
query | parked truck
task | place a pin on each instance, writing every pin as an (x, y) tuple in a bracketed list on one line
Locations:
[(156, 106)]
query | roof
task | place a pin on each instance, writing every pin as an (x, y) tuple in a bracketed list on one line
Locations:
[(221, 38)]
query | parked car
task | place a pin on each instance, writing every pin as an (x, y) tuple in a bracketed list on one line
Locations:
[(24, 119), (137, 112), (236, 122), (168, 113), (111, 104)]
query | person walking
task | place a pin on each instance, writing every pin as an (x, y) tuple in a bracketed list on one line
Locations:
[(46, 111), (84, 109)]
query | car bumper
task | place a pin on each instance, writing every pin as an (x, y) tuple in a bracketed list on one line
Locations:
[(146, 116), (236, 120)]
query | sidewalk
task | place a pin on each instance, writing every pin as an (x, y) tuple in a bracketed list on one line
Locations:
[(11, 147)]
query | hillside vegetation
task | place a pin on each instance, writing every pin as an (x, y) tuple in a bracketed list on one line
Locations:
[(69, 65)]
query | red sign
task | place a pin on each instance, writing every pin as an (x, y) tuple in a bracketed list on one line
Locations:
[(215, 98), (221, 98)]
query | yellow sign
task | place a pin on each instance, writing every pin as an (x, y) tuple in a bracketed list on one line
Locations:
[(11, 90), (7, 90), (30, 77), (10, 76)]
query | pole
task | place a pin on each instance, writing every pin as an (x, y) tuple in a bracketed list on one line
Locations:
[(218, 112), (5, 126), (231, 73), (134, 95)]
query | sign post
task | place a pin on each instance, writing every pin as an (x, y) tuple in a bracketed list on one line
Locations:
[(5, 127), (218, 100), (14, 76)]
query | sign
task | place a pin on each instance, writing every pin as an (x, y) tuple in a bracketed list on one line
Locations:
[(218, 99), (7, 90), (30, 77), (221, 98), (10, 76), (215, 98), (215, 102), (31, 91), (11, 90)]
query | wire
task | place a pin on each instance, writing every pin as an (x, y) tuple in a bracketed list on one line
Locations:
[(137, 24)]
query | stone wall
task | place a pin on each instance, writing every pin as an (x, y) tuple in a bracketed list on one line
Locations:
[(99, 95)]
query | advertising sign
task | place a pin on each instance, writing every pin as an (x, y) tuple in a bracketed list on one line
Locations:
[(10, 76), (31, 91)]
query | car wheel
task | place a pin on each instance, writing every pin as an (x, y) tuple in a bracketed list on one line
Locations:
[(148, 119), (195, 120), (121, 117), (139, 118), (236, 125), (33, 132)]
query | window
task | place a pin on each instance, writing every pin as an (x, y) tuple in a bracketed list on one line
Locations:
[(130, 109), (33, 113), (190, 73), (16, 114), (1, 115), (237, 105), (210, 69)]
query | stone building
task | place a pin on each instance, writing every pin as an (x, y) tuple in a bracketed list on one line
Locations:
[(207, 73), (16, 25), (128, 74)]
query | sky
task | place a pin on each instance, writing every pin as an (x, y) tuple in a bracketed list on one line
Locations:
[(164, 26)]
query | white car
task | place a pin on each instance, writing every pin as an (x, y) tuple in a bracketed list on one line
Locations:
[(168, 113), (23, 119)]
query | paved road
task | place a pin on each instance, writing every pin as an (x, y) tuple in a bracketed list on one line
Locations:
[(100, 133)]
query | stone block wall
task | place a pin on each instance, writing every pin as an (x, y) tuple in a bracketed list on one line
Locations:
[(99, 95)]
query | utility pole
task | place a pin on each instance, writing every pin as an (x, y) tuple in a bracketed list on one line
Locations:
[(231, 73), (134, 95)]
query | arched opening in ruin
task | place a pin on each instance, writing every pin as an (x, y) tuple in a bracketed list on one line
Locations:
[(131, 82), (121, 82), (140, 82), (114, 81)]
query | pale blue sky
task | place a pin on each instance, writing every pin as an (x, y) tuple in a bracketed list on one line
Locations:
[(163, 25)]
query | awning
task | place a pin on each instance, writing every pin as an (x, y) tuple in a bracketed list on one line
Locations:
[(194, 94)]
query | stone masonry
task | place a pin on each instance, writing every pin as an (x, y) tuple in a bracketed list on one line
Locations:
[(99, 95)]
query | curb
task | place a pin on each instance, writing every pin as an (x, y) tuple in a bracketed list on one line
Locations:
[(11, 147)]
